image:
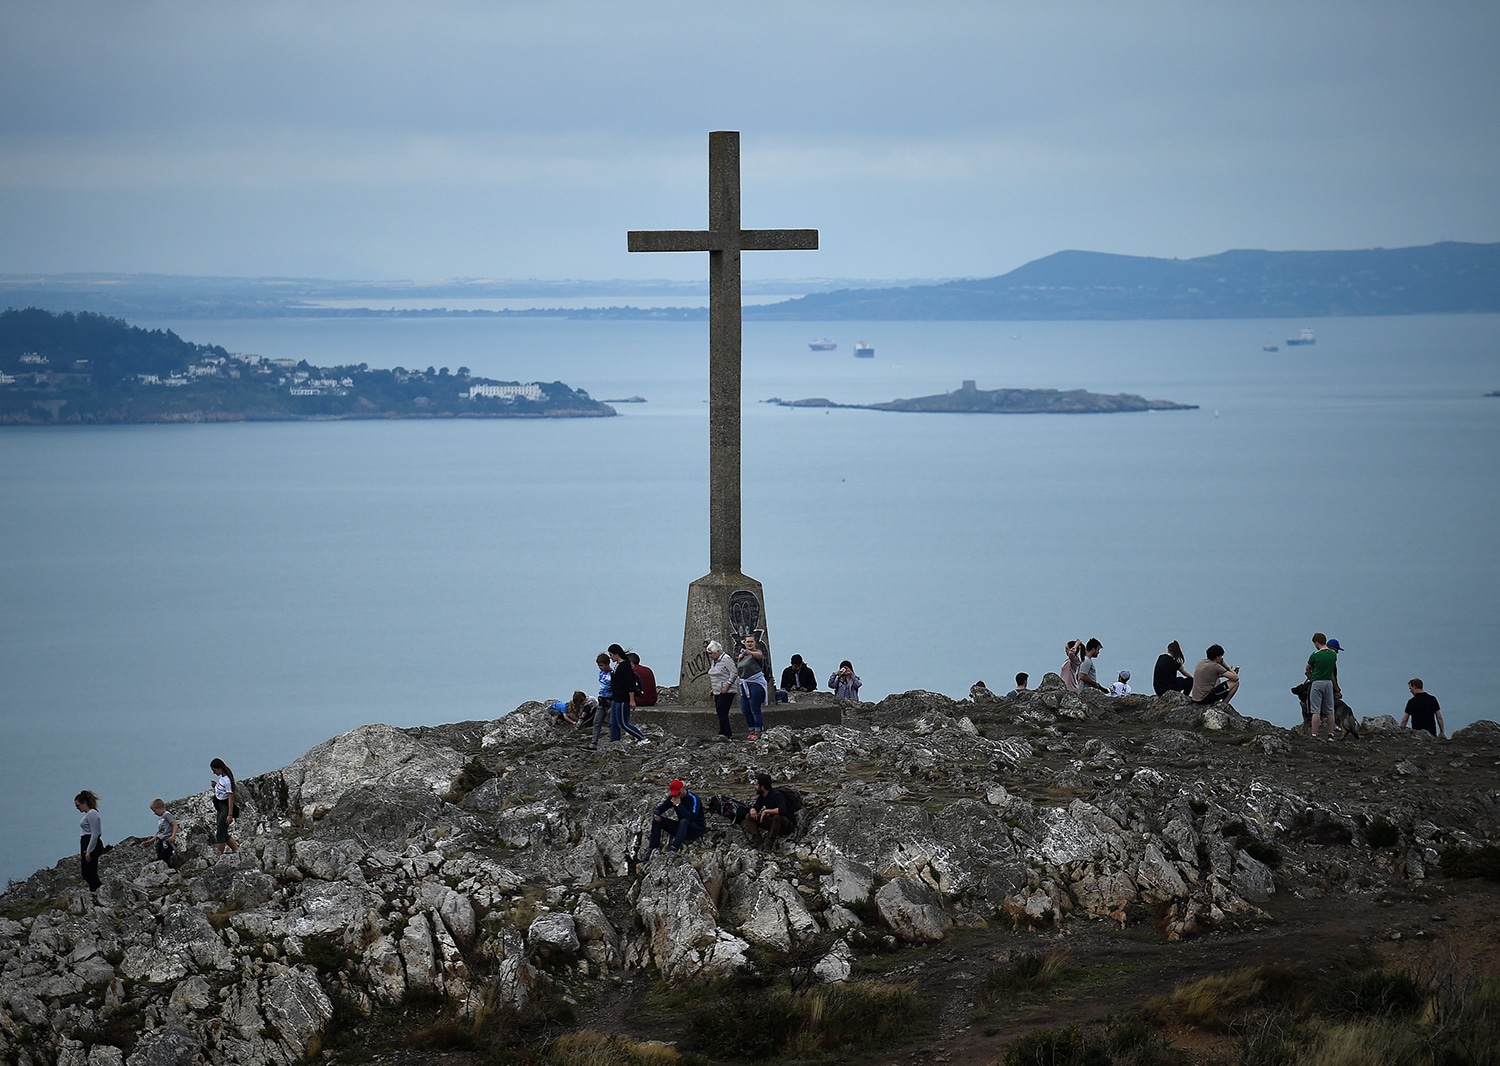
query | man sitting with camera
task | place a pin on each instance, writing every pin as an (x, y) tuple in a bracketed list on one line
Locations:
[(1213, 682)]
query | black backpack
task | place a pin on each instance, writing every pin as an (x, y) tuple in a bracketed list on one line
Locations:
[(793, 800)]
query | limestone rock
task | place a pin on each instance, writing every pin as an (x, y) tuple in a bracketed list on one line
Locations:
[(910, 909), (371, 860), (553, 934), (372, 756), (836, 966), (1252, 878)]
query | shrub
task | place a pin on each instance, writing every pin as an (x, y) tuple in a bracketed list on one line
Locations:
[(1381, 834), (1025, 973), (1481, 862), (1215, 1003), (774, 1024), (585, 1047), (1380, 993)]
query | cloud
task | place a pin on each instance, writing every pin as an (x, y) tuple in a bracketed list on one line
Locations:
[(943, 129)]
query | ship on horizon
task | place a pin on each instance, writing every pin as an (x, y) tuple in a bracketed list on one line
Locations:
[(824, 345), (864, 350), (1304, 336)]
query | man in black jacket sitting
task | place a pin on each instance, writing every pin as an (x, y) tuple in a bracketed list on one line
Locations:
[(772, 814), (681, 815)]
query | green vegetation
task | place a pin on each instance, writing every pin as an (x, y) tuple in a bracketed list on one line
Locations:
[(588, 1048), (1127, 1042), (1024, 975), (87, 368), (1480, 862), (830, 1021), (1439, 1014)]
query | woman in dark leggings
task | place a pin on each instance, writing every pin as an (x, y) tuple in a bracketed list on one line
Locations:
[(622, 697), (1165, 677), (91, 839), (226, 806)]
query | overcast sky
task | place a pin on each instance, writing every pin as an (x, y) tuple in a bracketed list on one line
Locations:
[(513, 140)]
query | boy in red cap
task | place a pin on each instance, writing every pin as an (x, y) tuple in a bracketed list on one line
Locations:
[(680, 814)]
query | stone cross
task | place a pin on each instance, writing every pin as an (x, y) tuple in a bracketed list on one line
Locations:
[(709, 598)]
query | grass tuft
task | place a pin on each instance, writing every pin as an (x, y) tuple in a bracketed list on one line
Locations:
[(772, 1025)]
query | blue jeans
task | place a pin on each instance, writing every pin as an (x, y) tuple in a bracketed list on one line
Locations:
[(683, 832), (619, 719), (752, 697)]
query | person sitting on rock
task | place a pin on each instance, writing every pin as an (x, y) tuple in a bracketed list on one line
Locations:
[(1021, 681), (1088, 674), (680, 815), (1422, 710), (772, 814), (1213, 682), (798, 676), (646, 697), (1121, 687)]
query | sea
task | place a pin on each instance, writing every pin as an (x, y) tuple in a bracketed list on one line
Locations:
[(177, 593)]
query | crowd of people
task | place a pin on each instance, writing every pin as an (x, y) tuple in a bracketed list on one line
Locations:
[(1212, 681), (625, 684)]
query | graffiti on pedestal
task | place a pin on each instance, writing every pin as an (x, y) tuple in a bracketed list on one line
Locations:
[(744, 614)]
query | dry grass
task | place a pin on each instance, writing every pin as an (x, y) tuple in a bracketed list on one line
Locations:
[(585, 1047)]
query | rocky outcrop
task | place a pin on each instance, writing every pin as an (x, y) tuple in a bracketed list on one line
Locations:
[(487, 863)]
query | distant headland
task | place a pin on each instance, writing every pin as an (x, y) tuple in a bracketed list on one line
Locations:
[(89, 368), (1448, 278), (968, 399)]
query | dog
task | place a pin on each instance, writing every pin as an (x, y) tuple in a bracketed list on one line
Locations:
[(729, 807), (1343, 714)]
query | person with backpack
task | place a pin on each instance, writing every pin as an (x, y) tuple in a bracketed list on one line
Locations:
[(681, 815), (773, 813)]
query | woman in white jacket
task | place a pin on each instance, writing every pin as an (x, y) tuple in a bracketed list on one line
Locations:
[(722, 681)]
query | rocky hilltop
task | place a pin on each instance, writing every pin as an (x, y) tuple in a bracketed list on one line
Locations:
[(493, 867)]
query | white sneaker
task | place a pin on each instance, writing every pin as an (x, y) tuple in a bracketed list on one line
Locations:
[(643, 743)]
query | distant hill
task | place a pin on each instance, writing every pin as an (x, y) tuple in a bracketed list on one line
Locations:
[(1450, 277)]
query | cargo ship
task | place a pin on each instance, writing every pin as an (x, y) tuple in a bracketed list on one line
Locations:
[(864, 350), (1303, 337), (824, 345)]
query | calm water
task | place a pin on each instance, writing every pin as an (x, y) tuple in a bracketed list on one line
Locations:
[(175, 593)]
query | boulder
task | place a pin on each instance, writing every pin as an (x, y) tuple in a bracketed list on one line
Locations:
[(553, 934), (911, 910)]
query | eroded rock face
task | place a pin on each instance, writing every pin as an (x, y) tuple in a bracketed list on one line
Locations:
[(492, 861)]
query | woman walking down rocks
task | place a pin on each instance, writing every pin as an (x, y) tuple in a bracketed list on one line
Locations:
[(91, 838), (1170, 675), (722, 678), (753, 686), (224, 810), (845, 682), (622, 686)]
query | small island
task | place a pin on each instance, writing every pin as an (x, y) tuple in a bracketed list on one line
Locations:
[(92, 369), (968, 399)]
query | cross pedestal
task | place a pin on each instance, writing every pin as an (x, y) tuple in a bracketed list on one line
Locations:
[(724, 604)]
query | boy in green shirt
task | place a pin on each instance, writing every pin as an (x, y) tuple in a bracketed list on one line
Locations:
[(1323, 672)]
